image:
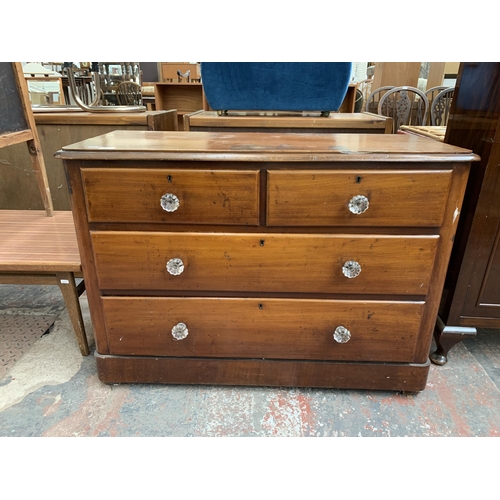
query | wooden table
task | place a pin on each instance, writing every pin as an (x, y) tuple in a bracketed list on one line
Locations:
[(280, 122), (434, 132), (40, 250), (18, 186), (303, 260)]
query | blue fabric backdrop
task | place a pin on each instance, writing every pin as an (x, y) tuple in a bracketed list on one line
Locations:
[(276, 86)]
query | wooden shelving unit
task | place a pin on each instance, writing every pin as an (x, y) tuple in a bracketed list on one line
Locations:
[(184, 97)]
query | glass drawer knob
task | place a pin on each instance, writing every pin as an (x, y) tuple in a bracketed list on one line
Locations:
[(169, 202), (351, 269), (358, 204), (342, 335), (179, 331), (175, 266)]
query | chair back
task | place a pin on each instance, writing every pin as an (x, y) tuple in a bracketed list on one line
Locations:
[(405, 105), (431, 95), (441, 105), (129, 94), (374, 98)]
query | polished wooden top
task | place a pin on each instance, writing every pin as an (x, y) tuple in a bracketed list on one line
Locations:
[(31, 241), (74, 117), (262, 146), (287, 120)]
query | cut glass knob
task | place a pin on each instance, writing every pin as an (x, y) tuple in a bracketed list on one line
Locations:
[(358, 204), (351, 269), (175, 266), (342, 335), (169, 202), (179, 331)]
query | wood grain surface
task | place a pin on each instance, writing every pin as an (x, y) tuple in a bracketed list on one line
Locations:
[(264, 262), (338, 145), (31, 241), (272, 121), (205, 196), (320, 198), (260, 372), (263, 328)]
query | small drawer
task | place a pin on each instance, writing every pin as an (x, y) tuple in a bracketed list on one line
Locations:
[(303, 263), (357, 198), (172, 196), (263, 328)]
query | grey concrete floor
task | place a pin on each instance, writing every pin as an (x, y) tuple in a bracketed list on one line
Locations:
[(54, 391)]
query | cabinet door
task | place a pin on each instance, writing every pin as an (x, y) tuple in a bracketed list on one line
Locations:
[(474, 271), (483, 254)]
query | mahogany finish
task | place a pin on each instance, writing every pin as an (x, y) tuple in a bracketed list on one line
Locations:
[(261, 147), (329, 302), (205, 196), (264, 262), (281, 122), (472, 292), (318, 198), (269, 328), (407, 377)]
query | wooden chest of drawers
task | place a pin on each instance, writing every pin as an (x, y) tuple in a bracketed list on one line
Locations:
[(309, 260)]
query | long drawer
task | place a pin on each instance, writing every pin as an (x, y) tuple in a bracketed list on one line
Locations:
[(263, 328), (301, 263), (172, 195), (357, 198)]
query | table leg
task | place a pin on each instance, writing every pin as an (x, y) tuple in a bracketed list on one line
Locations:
[(66, 282)]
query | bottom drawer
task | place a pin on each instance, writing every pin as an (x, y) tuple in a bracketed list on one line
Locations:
[(263, 328)]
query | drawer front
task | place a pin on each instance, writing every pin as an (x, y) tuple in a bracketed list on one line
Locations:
[(264, 262), (172, 196), (357, 198), (263, 328)]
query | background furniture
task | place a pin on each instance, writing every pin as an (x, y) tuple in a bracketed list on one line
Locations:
[(18, 186), (431, 94), (276, 86), (169, 72), (84, 88), (472, 291), (414, 74), (396, 74), (276, 122), (349, 103), (45, 90), (40, 250), (183, 97), (17, 126), (373, 99), (35, 247), (405, 105), (434, 132), (265, 259), (129, 94), (440, 108)]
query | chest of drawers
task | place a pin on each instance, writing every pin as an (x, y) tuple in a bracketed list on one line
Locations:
[(307, 260)]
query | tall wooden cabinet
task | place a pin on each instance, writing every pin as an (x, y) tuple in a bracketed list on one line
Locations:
[(472, 289)]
